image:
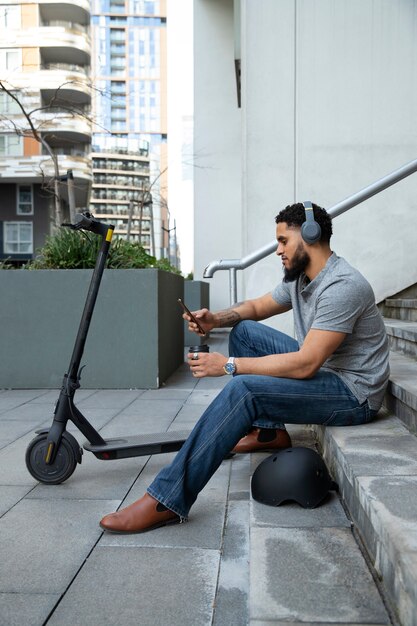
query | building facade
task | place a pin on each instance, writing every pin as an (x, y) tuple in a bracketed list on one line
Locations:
[(45, 123), (130, 101), (119, 194)]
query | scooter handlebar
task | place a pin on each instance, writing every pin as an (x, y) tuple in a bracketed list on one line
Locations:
[(83, 221), (87, 221)]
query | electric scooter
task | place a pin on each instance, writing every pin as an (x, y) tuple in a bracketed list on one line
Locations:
[(53, 455)]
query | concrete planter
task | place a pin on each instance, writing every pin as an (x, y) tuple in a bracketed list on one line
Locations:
[(136, 333), (196, 296)]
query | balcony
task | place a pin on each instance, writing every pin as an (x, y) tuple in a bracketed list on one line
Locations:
[(68, 82), (68, 43), (59, 44), (75, 10), (38, 169), (64, 129)]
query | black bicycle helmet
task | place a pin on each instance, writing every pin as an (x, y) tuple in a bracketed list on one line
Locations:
[(298, 474)]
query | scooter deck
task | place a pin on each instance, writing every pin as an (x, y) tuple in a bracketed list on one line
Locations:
[(138, 445)]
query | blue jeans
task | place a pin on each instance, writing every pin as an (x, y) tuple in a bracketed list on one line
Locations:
[(248, 401)]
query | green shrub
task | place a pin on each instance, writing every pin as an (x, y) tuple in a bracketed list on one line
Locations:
[(69, 249), (5, 265)]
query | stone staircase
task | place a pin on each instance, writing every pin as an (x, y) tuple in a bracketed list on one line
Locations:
[(376, 467)]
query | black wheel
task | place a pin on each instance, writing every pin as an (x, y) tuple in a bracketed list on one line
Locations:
[(64, 464)]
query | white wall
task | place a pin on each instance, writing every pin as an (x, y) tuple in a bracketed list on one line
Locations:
[(180, 126), (358, 123), (217, 144), (329, 98)]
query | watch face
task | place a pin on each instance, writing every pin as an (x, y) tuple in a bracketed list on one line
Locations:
[(230, 368)]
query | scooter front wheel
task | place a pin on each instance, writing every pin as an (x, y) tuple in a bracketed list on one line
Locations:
[(64, 463)]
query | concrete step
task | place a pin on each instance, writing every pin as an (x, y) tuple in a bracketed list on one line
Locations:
[(401, 309), (375, 466), (401, 395), (402, 336)]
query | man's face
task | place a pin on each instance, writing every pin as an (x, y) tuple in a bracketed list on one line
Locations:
[(291, 249)]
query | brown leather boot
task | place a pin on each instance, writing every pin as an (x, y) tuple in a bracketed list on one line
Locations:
[(263, 440), (144, 514)]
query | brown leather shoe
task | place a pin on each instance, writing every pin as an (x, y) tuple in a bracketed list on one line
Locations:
[(144, 514), (263, 440)]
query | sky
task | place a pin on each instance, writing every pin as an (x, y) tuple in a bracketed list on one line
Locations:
[(180, 126)]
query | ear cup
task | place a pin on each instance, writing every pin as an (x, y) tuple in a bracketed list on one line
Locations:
[(310, 230)]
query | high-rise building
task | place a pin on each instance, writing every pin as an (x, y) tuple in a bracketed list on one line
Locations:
[(45, 125), (130, 108), (119, 194)]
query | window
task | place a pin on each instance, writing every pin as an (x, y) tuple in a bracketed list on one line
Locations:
[(117, 6), (10, 16), (117, 87), (144, 6), (18, 238), (10, 59), (7, 104), (11, 145), (24, 200)]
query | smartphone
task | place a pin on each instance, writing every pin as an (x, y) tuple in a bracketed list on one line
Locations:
[(193, 319)]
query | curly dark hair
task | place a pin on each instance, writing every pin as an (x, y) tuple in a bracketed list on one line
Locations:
[(294, 215)]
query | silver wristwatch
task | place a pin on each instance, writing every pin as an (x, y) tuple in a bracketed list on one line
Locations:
[(230, 367)]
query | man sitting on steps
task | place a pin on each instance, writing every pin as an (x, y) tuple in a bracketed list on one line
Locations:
[(335, 373)]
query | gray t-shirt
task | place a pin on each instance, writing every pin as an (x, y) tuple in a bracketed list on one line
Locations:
[(341, 299)]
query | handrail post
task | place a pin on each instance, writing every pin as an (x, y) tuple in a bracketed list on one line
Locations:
[(232, 285)]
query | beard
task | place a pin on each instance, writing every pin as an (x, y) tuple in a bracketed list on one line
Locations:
[(299, 264)]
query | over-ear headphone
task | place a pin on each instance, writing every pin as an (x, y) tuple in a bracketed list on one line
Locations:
[(310, 230)]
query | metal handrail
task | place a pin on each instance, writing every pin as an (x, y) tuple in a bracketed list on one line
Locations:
[(337, 209)]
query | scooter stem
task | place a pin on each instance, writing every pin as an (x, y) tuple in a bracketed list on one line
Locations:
[(78, 351)]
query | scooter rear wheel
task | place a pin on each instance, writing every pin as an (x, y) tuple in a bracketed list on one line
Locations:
[(64, 463)]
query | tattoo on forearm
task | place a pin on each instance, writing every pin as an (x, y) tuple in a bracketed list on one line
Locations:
[(229, 317)]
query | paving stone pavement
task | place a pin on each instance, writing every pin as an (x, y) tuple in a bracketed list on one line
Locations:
[(235, 562)]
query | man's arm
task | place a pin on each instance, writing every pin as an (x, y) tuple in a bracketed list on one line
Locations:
[(257, 309), (317, 347)]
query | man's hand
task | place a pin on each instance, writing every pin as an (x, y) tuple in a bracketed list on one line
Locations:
[(258, 309), (207, 364), (205, 319)]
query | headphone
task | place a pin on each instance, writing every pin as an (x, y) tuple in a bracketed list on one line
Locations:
[(310, 230)]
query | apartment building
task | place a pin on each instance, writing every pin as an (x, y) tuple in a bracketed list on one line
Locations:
[(130, 108), (120, 193), (45, 123)]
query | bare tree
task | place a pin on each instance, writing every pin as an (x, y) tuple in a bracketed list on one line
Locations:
[(148, 196), (32, 126), (31, 131)]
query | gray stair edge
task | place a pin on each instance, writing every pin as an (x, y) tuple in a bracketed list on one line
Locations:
[(406, 303), (401, 395), (385, 546), (403, 329)]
